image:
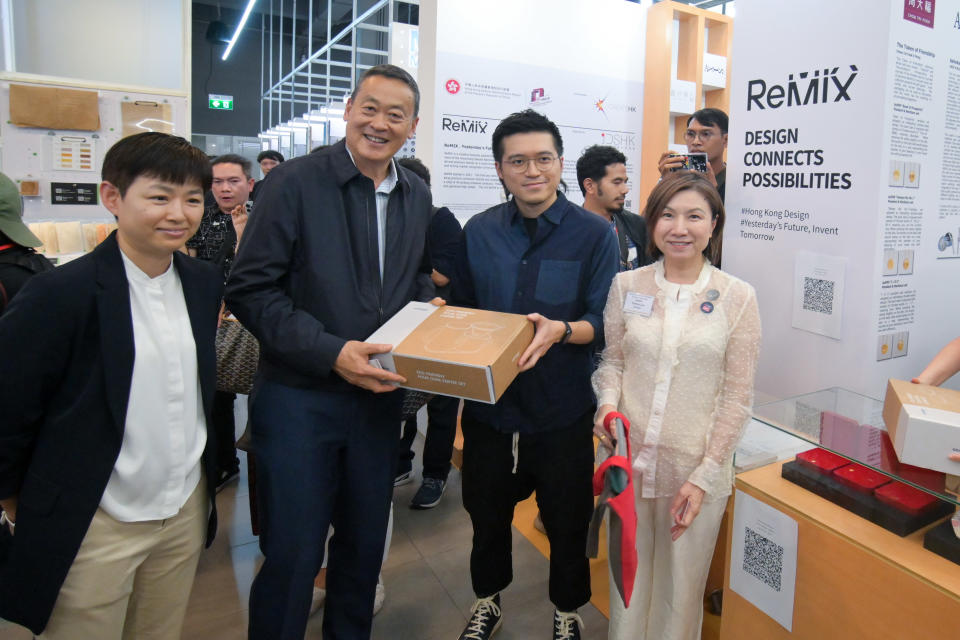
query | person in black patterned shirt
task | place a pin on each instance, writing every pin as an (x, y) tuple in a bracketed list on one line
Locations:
[(216, 241)]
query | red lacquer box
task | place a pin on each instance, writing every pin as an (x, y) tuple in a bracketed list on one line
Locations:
[(905, 498), (821, 460), (860, 478)]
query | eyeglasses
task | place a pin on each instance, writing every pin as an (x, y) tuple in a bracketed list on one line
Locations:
[(704, 135), (520, 164)]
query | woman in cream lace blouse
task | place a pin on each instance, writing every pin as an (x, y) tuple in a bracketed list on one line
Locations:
[(681, 348)]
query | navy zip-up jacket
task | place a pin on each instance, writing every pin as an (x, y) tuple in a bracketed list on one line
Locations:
[(306, 278)]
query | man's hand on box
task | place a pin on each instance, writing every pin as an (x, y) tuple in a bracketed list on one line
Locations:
[(438, 302), (955, 457), (353, 366), (547, 332)]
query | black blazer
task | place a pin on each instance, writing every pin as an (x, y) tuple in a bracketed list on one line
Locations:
[(66, 362)]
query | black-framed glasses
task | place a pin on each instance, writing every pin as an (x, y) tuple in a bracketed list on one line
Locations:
[(705, 135), (519, 164)]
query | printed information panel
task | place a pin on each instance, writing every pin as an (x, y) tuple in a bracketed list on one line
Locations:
[(843, 189), (475, 94)]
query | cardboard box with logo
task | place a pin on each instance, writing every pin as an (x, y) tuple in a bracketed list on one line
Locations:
[(924, 424), (454, 351)]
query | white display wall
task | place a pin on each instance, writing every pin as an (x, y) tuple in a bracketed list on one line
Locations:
[(581, 64), (130, 43), (843, 185)]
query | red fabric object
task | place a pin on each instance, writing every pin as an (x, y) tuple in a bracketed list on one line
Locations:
[(623, 511), (821, 460), (905, 498), (613, 415), (860, 478)]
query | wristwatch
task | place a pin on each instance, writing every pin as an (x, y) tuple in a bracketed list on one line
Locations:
[(567, 332)]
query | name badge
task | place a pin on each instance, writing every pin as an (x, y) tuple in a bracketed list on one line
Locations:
[(639, 304)]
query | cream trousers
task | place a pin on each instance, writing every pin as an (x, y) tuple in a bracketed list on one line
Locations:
[(132, 580), (667, 601)]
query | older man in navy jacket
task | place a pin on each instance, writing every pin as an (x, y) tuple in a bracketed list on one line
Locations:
[(334, 247)]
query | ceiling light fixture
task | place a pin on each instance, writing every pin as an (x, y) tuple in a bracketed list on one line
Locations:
[(236, 34)]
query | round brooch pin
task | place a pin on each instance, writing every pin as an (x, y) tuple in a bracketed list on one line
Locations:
[(706, 307), (712, 294)]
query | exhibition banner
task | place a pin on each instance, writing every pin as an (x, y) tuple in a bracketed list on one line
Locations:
[(477, 94), (508, 58), (836, 199)]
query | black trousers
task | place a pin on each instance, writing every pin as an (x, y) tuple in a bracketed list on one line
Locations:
[(438, 446), (558, 465)]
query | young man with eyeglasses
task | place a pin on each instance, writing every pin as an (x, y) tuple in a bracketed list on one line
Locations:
[(706, 133), (537, 254)]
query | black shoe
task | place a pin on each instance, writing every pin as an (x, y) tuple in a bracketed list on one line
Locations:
[(429, 494), (566, 626), (485, 619)]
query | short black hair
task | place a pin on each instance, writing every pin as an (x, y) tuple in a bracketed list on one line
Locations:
[(271, 154), (709, 117), (232, 158), (396, 73), (528, 121), (415, 165), (157, 155), (594, 162)]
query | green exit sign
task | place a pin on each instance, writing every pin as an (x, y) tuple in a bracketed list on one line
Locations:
[(220, 102)]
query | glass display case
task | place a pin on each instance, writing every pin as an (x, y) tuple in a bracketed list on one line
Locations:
[(853, 464)]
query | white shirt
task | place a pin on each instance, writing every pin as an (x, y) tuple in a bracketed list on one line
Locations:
[(383, 198), (682, 374), (165, 429)]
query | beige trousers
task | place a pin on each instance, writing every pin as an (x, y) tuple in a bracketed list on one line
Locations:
[(667, 601), (132, 580)]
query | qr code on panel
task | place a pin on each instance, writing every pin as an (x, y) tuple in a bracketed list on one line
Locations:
[(763, 559), (818, 295)]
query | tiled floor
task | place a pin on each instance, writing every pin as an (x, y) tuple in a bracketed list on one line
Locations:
[(426, 576)]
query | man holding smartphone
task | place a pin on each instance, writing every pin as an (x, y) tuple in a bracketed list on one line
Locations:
[(706, 133)]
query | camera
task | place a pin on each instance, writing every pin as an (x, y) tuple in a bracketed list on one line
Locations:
[(693, 162)]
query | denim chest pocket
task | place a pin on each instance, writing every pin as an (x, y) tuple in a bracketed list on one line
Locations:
[(558, 281)]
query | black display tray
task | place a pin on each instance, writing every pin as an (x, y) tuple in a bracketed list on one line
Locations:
[(943, 541), (864, 505)]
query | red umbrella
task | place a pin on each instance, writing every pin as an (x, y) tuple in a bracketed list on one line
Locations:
[(613, 483)]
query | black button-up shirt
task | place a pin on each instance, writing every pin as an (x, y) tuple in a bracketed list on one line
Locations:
[(215, 238), (563, 273)]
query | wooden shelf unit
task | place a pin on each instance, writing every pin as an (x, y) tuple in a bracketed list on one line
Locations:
[(699, 30)]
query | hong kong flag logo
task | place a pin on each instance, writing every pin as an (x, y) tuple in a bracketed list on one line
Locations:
[(453, 86)]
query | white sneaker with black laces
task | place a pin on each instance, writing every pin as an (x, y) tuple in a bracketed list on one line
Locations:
[(566, 626), (485, 619)]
